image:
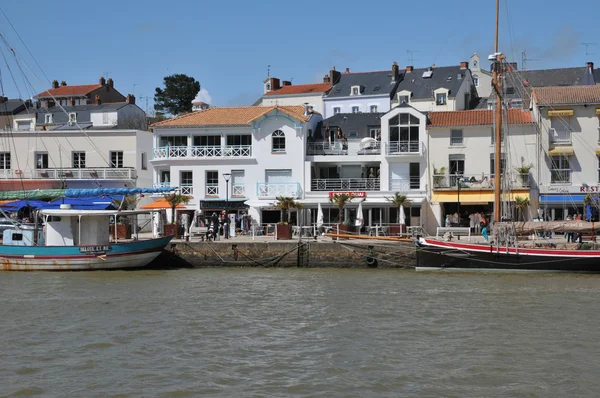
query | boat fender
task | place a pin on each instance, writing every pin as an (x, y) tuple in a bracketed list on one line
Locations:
[(372, 261)]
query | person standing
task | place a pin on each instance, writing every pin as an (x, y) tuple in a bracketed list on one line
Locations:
[(484, 228), (226, 222)]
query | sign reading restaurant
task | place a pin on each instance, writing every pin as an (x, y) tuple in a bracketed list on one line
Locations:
[(357, 194), (572, 189)]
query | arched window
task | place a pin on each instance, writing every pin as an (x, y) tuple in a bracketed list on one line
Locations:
[(278, 138)]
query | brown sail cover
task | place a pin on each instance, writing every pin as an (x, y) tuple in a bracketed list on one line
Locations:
[(529, 227)]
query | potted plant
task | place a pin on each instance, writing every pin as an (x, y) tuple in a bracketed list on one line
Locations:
[(523, 172), (340, 200), (439, 177), (174, 200), (284, 229), (398, 201), (521, 204), (122, 223)]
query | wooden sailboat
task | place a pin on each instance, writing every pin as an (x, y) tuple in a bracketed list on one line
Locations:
[(506, 253)]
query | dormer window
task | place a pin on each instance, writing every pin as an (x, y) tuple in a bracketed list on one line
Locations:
[(72, 117), (475, 64), (48, 118), (355, 90), (403, 99), (440, 99), (268, 87)]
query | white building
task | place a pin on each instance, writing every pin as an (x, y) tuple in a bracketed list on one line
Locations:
[(262, 148), (278, 93), (482, 78), (461, 161), (569, 147), (199, 106)]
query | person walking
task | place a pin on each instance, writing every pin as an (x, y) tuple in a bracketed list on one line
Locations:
[(484, 228)]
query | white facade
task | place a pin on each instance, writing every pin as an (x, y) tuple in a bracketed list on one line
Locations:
[(482, 79), (356, 104)]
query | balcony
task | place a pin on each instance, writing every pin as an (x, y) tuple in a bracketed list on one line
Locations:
[(202, 152), (560, 176), (559, 137), (238, 190), (186, 190), (274, 189), (211, 190), (403, 185), (70, 174), (345, 184), (477, 181), (404, 148), (337, 148)]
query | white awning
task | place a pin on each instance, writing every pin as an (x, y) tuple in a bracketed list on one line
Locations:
[(261, 203), (88, 213)]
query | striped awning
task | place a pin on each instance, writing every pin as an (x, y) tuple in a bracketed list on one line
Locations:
[(561, 150), (561, 112)]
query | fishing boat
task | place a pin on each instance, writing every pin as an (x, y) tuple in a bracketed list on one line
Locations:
[(67, 239), (506, 251)]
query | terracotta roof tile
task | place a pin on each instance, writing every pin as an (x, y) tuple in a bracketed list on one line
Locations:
[(301, 89), (567, 95), (235, 116), (62, 91), (475, 118)]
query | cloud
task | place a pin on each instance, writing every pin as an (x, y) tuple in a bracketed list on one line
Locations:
[(204, 96)]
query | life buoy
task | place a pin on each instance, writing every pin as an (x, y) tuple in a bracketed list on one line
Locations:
[(372, 261)]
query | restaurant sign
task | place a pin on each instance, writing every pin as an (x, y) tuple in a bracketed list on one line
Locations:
[(357, 194), (561, 189)]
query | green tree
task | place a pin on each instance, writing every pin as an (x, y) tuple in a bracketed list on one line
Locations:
[(521, 204), (398, 201), (285, 204), (178, 94), (340, 200), (175, 199)]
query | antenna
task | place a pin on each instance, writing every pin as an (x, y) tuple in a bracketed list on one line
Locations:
[(133, 91), (524, 60), (411, 56), (292, 80), (586, 47), (106, 74), (268, 70)]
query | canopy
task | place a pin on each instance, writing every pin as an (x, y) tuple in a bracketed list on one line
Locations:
[(160, 204), (100, 203), (19, 204), (78, 193)]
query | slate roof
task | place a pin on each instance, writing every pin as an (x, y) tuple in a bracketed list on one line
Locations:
[(63, 91), (83, 112), (371, 83), (12, 106), (234, 116), (301, 89), (475, 118), (442, 77), (572, 95), (351, 122)]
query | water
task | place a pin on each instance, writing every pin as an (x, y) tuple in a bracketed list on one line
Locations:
[(294, 332)]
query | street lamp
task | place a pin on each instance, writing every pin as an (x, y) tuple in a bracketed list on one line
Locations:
[(458, 180), (226, 176)]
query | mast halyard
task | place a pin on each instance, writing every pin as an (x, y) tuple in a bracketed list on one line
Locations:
[(498, 121)]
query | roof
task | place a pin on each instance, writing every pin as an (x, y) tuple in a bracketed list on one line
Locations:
[(161, 203), (11, 106), (63, 91), (442, 77), (475, 118), (199, 103), (234, 116), (572, 95), (301, 89), (83, 112), (354, 120), (371, 83)]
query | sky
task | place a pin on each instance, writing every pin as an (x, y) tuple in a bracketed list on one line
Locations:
[(229, 46)]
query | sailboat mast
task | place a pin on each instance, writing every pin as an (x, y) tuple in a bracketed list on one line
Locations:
[(498, 116)]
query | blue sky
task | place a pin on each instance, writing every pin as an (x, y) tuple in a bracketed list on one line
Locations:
[(227, 45)]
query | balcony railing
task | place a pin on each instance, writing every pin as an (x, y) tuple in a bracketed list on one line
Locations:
[(202, 152), (274, 189), (70, 174), (560, 137), (560, 176), (212, 190), (402, 185), (404, 148), (238, 189), (477, 181), (349, 148), (186, 190), (345, 184)]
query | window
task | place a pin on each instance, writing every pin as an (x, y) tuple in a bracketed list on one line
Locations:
[(23, 125), (72, 117), (403, 99), (144, 161), (41, 160), (336, 111), (456, 137), (404, 133), (79, 160), (78, 101), (278, 142), (116, 159), (63, 102), (186, 182), (560, 170), (239, 140), (104, 117), (4, 160), (493, 136), (207, 140), (474, 64), (355, 90), (440, 99), (48, 118), (375, 133), (175, 140), (493, 165), (476, 81), (355, 109), (237, 183), (415, 176), (456, 165), (560, 130), (373, 108), (212, 183), (165, 177), (517, 104)]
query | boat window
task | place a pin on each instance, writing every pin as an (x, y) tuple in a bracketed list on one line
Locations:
[(53, 219), (17, 237)]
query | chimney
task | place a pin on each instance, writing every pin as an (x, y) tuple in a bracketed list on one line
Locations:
[(395, 72), (432, 66), (335, 76), (409, 69), (98, 100), (286, 83), (110, 82), (275, 83), (326, 79), (590, 65), (54, 83), (63, 83), (464, 65), (130, 99), (588, 76), (306, 109), (102, 81), (347, 70)]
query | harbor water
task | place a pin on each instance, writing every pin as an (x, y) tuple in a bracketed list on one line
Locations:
[(238, 332)]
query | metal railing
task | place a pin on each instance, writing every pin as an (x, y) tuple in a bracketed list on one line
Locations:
[(349, 148), (187, 152), (70, 174), (212, 190), (560, 176), (403, 148), (186, 190), (560, 137), (400, 185), (274, 189), (478, 181), (238, 189), (345, 184)]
